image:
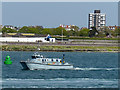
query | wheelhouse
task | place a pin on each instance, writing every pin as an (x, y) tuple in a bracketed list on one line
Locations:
[(35, 56)]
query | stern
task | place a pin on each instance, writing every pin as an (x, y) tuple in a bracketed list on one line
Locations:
[(24, 65)]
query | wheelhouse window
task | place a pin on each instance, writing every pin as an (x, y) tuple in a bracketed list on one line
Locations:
[(37, 56), (33, 57), (43, 60), (52, 60), (56, 60)]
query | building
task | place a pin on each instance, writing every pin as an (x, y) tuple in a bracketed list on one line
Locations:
[(83, 28), (26, 37), (9, 26), (113, 27), (36, 26), (30, 39), (67, 27), (97, 19)]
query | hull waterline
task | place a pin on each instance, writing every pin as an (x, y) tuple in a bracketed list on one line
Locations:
[(38, 66)]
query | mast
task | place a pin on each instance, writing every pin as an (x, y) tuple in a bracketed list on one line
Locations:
[(63, 59), (62, 34)]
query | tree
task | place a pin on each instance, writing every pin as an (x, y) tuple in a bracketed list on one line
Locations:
[(70, 33), (0, 30), (8, 30), (105, 31), (58, 31), (93, 32), (24, 29), (40, 29), (84, 32), (47, 31), (36, 30), (116, 32), (101, 34), (75, 30)]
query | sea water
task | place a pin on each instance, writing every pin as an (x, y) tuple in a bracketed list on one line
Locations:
[(91, 70)]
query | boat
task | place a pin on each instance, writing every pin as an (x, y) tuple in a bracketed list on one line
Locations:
[(38, 62)]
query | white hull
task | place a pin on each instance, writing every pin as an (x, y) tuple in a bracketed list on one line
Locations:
[(38, 66)]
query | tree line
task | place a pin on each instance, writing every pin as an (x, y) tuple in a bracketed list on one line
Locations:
[(103, 32)]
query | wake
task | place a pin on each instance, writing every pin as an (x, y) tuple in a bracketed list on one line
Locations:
[(91, 69)]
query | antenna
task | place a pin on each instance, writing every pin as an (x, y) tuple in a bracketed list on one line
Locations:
[(63, 56), (63, 59), (62, 32)]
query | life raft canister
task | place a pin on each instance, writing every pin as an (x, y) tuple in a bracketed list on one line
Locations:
[(53, 63), (60, 61)]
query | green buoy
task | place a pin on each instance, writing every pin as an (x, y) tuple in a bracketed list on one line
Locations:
[(8, 60)]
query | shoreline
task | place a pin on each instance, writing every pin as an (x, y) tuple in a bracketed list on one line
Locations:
[(74, 51), (58, 48)]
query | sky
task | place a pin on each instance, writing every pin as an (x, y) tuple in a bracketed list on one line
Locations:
[(52, 14), (119, 14), (0, 13), (60, 0)]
